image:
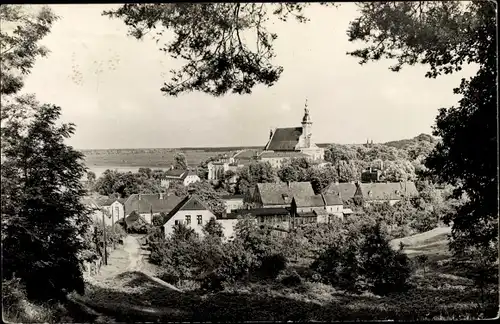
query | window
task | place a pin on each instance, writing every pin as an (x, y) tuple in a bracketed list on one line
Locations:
[(117, 211), (199, 218), (188, 219), (176, 222)]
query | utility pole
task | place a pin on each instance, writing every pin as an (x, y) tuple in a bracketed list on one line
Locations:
[(113, 227), (104, 239)]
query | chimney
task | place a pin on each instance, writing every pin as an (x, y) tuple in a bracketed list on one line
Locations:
[(171, 167), (381, 165), (161, 195), (370, 169), (270, 133), (288, 184), (139, 196)]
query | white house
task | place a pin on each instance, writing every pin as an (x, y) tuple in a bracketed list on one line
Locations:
[(149, 205), (111, 208), (195, 214), (333, 204), (186, 177), (232, 202)]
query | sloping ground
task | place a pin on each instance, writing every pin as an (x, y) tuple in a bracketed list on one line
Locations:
[(433, 241)]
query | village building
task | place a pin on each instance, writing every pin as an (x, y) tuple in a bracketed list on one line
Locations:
[(277, 219), (292, 142), (193, 213), (217, 169), (232, 202), (280, 194), (111, 210), (333, 206), (391, 192), (186, 177), (150, 205), (344, 190)]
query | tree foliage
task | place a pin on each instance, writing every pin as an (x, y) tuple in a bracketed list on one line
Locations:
[(21, 31), (255, 172), (213, 40), (43, 220), (364, 262), (180, 162)]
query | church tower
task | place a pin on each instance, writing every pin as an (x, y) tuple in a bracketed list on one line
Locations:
[(307, 126)]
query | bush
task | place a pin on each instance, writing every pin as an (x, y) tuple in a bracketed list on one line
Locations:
[(271, 265), (365, 263), (290, 278)]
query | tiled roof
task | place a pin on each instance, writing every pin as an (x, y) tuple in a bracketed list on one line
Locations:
[(388, 190), (151, 203), (309, 201), (175, 174), (346, 190), (281, 193), (282, 154), (332, 199), (284, 139), (187, 203), (108, 201), (260, 212)]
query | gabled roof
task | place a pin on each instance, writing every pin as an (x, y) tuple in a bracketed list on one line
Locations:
[(151, 203), (284, 139), (388, 190), (332, 199), (176, 174), (103, 202), (187, 203), (282, 193), (309, 201), (347, 190)]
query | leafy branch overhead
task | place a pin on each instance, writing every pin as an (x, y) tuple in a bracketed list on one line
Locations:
[(443, 34), (214, 40)]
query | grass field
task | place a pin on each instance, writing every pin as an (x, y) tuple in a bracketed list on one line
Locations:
[(437, 294)]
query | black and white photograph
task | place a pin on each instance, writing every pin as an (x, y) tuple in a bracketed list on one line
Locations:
[(249, 161)]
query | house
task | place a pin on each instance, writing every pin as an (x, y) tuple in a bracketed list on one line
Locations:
[(345, 190), (186, 177), (287, 143), (273, 195), (217, 169), (302, 204), (371, 175), (110, 210), (333, 205), (233, 202), (113, 207), (149, 205), (193, 213), (278, 218), (391, 192)]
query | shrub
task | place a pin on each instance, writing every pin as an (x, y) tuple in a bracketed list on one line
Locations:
[(365, 262), (271, 265), (290, 278)]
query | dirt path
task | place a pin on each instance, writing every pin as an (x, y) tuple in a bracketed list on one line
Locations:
[(126, 283)]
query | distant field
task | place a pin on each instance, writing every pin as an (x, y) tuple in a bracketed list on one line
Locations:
[(132, 159)]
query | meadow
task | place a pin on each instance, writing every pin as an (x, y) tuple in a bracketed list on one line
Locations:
[(132, 159)]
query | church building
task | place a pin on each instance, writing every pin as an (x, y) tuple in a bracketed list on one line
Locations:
[(292, 142)]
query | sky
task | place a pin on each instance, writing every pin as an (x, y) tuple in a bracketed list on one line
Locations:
[(123, 107)]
